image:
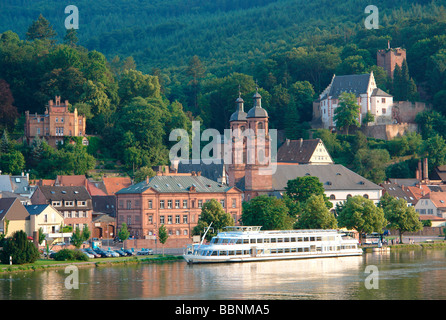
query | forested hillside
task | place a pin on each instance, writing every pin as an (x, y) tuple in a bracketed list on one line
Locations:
[(191, 57)]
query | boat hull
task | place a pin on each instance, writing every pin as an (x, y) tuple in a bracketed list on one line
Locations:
[(196, 259)]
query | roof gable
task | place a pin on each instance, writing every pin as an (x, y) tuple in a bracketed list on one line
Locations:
[(299, 151), (13, 209)]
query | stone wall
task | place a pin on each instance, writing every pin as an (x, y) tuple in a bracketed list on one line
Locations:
[(406, 111), (150, 243), (389, 131), (426, 232)]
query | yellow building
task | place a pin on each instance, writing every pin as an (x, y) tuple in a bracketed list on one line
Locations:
[(13, 216), (48, 218)]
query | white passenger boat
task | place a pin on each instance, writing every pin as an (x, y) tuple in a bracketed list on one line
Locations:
[(248, 243)]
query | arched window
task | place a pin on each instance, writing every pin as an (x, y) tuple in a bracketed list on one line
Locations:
[(366, 196), (260, 125), (349, 196), (332, 197)]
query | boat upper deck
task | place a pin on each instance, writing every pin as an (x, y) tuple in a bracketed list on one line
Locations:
[(242, 231)]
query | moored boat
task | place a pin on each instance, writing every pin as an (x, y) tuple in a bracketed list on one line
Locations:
[(248, 243)]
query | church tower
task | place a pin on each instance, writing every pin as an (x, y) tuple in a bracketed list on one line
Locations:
[(258, 175), (238, 124)]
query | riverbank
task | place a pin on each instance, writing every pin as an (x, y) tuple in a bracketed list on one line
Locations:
[(45, 264), (437, 244)]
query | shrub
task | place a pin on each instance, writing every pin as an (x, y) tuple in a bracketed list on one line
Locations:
[(19, 248), (67, 254)]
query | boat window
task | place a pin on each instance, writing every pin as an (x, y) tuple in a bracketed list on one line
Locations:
[(223, 252), (319, 249), (239, 241), (252, 240), (214, 253), (312, 248), (279, 250), (293, 239), (246, 251), (273, 240), (266, 240), (306, 249), (232, 241), (231, 252), (286, 240), (293, 249), (312, 239), (260, 240), (273, 250), (300, 239), (225, 241), (245, 240), (279, 239), (286, 250), (238, 252), (300, 249), (214, 240), (318, 238), (305, 239)]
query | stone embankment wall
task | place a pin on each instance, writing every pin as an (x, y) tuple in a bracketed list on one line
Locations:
[(426, 232), (150, 244)]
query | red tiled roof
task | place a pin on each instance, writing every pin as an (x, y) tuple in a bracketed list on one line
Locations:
[(418, 191), (114, 184)]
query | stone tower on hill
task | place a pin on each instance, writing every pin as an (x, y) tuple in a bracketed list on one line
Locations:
[(389, 58)]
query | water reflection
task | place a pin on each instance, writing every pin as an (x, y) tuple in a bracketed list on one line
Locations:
[(419, 274)]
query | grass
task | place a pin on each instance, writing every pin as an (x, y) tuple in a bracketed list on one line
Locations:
[(43, 264)]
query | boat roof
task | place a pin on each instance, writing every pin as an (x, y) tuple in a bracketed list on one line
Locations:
[(243, 230)]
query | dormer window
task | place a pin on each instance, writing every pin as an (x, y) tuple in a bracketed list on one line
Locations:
[(69, 203)]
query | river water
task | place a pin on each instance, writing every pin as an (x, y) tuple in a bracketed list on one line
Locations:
[(404, 275)]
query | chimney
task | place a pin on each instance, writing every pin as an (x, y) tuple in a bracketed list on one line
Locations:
[(425, 171), (300, 142), (419, 170), (287, 142), (199, 173)]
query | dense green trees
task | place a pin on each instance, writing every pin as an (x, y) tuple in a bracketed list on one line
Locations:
[(269, 212), (347, 112), (19, 248), (361, 215), (212, 212), (400, 216)]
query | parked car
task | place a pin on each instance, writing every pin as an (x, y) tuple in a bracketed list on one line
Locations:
[(144, 252), (121, 253), (45, 253), (89, 255), (128, 252), (113, 253), (95, 254), (103, 253)]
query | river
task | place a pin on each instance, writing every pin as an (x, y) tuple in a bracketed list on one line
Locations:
[(402, 275)]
